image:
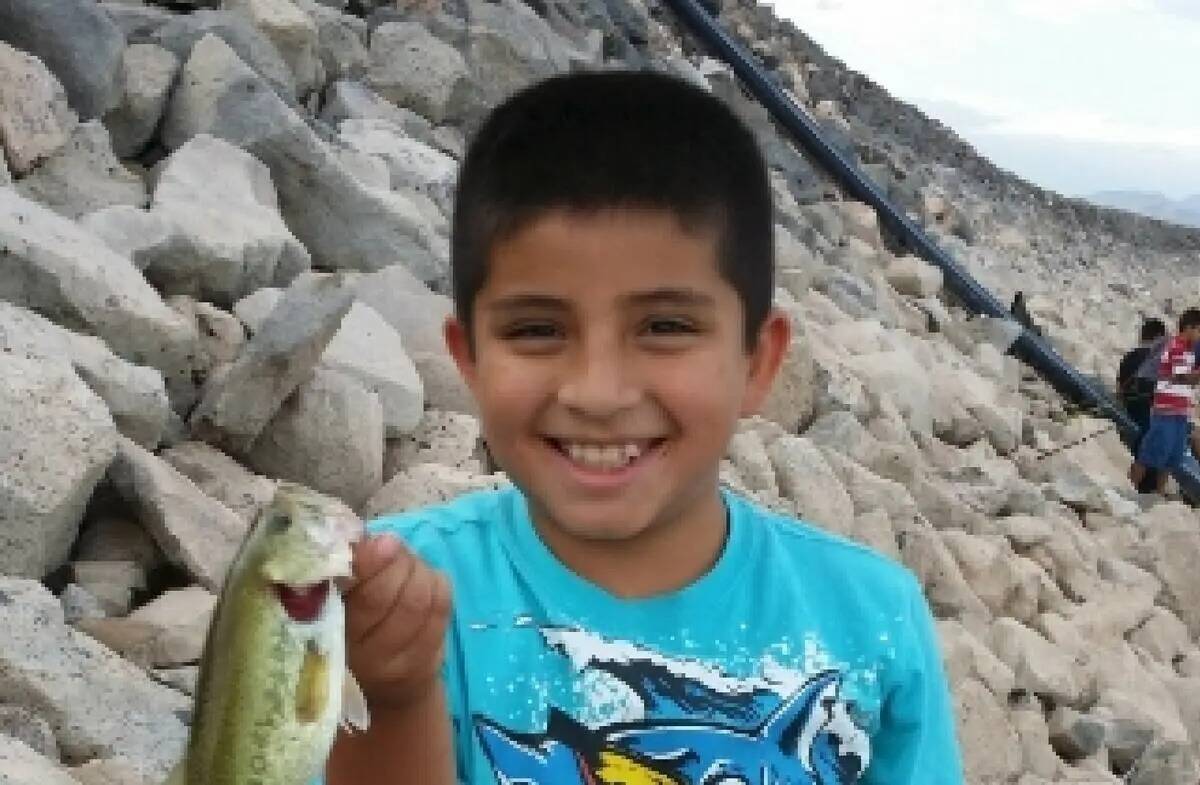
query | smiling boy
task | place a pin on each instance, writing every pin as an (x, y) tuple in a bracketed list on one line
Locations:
[(618, 617)]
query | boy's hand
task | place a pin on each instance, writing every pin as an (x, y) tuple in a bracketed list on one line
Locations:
[(396, 614)]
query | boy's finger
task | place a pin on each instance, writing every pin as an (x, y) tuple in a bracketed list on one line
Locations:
[(372, 554), (412, 606), (393, 653), (369, 602)]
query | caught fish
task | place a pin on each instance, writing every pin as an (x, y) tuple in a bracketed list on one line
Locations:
[(273, 684)]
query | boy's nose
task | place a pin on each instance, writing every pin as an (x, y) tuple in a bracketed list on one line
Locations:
[(598, 382)]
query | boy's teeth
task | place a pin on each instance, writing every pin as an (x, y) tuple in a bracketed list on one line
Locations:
[(610, 456)]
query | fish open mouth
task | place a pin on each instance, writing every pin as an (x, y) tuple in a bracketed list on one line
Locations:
[(302, 603)]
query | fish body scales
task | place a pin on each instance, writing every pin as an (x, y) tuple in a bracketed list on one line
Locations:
[(268, 699)]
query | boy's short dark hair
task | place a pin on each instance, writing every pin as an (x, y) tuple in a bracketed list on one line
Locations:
[(1189, 318), (1153, 329), (595, 140)]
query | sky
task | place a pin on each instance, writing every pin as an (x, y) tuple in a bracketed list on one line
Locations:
[(1078, 96)]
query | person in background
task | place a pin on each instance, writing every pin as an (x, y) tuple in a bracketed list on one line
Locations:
[(1136, 378), (1020, 313), (1166, 441)]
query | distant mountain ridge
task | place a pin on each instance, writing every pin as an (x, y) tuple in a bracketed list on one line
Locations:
[(1184, 211)]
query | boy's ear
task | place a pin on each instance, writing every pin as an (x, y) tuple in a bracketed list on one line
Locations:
[(458, 343), (766, 358)]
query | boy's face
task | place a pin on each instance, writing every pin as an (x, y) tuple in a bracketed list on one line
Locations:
[(610, 369)]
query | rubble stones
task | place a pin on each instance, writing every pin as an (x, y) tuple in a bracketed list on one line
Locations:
[(98, 704), (236, 407), (193, 530), (147, 73), (343, 223), (48, 480), (77, 41), (328, 435), (83, 176), (35, 120)]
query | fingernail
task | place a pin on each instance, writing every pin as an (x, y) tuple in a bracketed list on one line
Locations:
[(384, 545)]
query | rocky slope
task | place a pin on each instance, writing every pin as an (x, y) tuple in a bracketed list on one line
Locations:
[(223, 234)]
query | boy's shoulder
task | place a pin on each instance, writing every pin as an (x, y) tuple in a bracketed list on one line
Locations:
[(800, 545)]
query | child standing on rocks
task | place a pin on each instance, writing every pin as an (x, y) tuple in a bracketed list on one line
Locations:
[(1165, 442), (617, 616)]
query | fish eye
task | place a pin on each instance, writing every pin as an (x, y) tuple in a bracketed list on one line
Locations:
[(278, 522)]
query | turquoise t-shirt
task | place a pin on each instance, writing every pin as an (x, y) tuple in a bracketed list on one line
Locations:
[(800, 658)]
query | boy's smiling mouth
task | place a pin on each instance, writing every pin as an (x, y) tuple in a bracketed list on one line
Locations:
[(605, 456)]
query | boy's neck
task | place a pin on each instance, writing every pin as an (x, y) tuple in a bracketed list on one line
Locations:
[(665, 558)]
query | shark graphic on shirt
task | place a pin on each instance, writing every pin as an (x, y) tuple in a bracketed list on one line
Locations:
[(693, 733)]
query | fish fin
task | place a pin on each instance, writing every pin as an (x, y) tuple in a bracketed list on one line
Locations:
[(178, 775), (354, 705), (312, 686)]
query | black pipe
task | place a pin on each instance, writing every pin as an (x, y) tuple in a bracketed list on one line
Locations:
[(1029, 347)]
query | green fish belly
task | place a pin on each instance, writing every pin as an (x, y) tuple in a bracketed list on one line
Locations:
[(269, 696)]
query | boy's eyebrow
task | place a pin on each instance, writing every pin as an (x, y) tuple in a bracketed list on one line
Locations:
[(527, 300), (672, 296)]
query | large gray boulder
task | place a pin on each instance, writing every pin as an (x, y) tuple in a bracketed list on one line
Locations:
[(340, 41), (213, 231), (293, 32), (147, 73), (351, 100), (35, 119), (343, 223), (365, 347), (76, 40), (411, 163), (236, 406), (221, 477), (58, 269), (83, 176), (254, 49), (412, 68), (328, 436), (23, 765), (56, 440), (99, 705), (193, 530), (135, 395)]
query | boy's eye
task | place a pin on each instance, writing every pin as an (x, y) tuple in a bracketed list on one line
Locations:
[(669, 326), (535, 331)]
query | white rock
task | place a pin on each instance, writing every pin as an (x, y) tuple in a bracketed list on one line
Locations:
[(445, 438), (1039, 666), (293, 32), (412, 164), (370, 350), (343, 223), (98, 704), (426, 483), (328, 435), (194, 531), (147, 73), (35, 120), (217, 233), (236, 407), (412, 68), (990, 746), (21, 765), (135, 396), (167, 631), (56, 440), (804, 477), (83, 176), (82, 285), (913, 276), (221, 477)]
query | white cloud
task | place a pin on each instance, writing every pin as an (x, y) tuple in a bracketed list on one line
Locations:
[(1111, 75)]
